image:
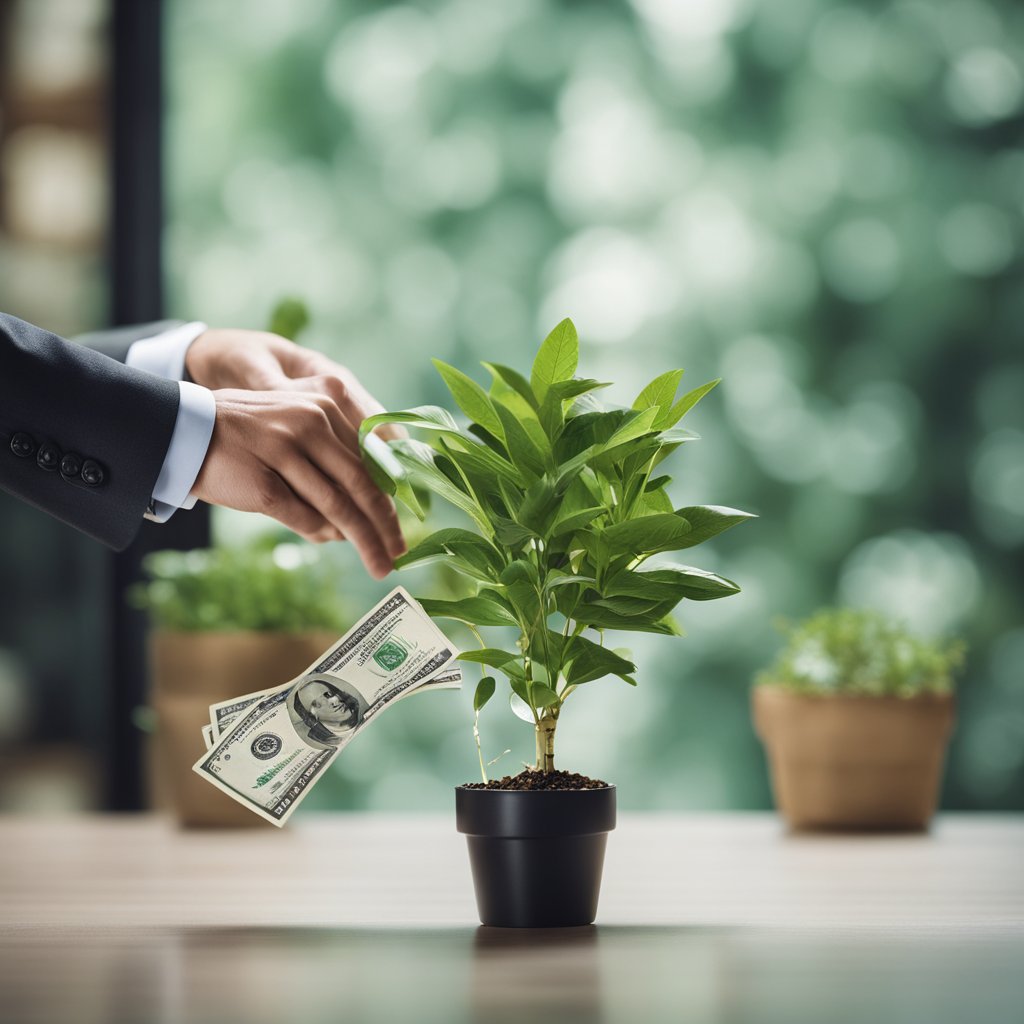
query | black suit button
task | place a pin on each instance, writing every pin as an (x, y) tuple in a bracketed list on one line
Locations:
[(47, 457), (92, 473), (71, 465), (23, 445)]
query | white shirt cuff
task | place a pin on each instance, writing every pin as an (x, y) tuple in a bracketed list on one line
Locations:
[(197, 411), (164, 354)]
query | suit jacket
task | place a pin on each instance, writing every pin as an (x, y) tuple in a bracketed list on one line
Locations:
[(82, 436)]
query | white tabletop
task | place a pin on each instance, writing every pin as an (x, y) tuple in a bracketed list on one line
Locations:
[(371, 917)]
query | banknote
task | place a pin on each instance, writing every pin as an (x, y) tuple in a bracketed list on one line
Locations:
[(278, 745), (225, 713), (447, 679)]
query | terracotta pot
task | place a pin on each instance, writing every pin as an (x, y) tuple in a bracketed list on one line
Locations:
[(854, 762), (188, 673)]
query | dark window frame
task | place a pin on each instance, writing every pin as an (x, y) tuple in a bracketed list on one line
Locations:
[(136, 296)]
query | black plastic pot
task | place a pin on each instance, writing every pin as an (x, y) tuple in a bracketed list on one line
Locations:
[(536, 856)]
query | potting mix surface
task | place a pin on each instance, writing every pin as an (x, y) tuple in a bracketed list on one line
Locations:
[(532, 779)]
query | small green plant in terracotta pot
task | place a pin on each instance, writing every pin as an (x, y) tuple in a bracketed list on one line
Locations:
[(855, 716), (570, 528), (225, 621)]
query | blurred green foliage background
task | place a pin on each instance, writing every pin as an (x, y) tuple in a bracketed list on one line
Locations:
[(819, 201)]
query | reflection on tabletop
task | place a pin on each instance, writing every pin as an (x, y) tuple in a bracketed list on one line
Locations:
[(601, 973)]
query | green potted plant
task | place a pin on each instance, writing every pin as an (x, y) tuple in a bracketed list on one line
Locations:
[(855, 716), (567, 504), (225, 621)]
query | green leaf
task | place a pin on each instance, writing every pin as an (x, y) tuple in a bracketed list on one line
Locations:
[(567, 390), (545, 650), (552, 410), (707, 521), (387, 473), (647, 534), (478, 611), (574, 466), (488, 439), (556, 360), (514, 380), (628, 605), (597, 546), (605, 618), (522, 584), (592, 428), (520, 571), (659, 394), (589, 661), (656, 502), (539, 506), (479, 459), (509, 532), (383, 467), (528, 457), (559, 578), (687, 402), (543, 696), (472, 398), (426, 417), (418, 459), (381, 463), (577, 520), (504, 662), (289, 318), (672, 582), (519, 706), (670, 626), (635, 426), (468, 547), (677, 435), (484, 692)]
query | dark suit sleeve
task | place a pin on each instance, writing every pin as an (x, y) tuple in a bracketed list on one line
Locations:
[(82, 436), (116, 341)]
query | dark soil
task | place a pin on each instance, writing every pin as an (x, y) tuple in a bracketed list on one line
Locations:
[(534, 780)]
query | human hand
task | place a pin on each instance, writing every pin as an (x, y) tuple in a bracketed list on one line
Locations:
[(260, 361), (293, 456)]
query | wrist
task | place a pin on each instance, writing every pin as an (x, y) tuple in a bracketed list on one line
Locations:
[(200, 360), (239, 359)]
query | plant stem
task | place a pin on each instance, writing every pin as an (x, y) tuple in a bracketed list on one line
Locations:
[(545, 735), (479, 751), (476, 633)]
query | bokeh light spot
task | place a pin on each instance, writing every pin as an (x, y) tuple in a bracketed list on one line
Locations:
[(984, 85), (927, 580), (997, 484), (614, 282), (861, 259), (975, 239), (843, 45)]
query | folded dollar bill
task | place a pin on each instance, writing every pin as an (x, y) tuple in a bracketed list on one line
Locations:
[(224, 715), (267, 749)]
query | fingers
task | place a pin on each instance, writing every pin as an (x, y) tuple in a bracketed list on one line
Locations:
[(342, 464), (321, 493), (347, 472), (277, 500), (355, 402), (293, 457)]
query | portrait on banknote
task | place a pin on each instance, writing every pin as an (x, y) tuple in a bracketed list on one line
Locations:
[(324, 711)]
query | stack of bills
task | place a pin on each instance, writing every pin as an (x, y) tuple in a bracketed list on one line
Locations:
[(267, 749)]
